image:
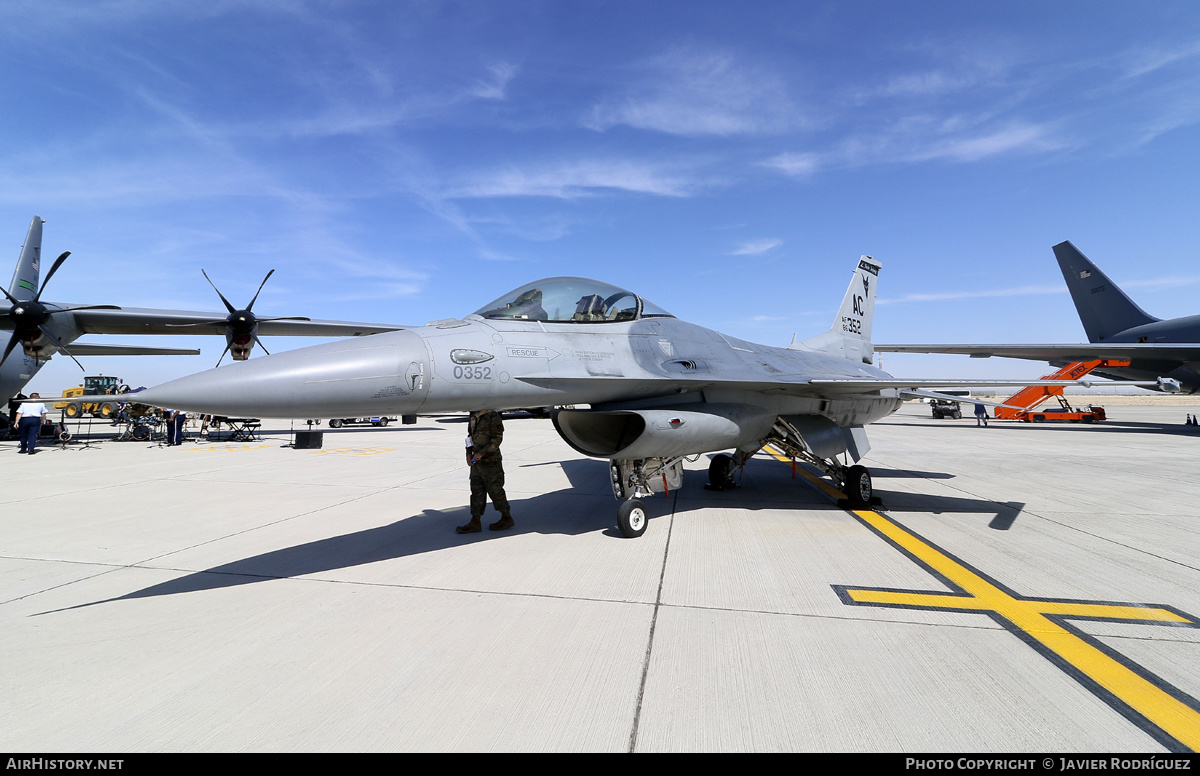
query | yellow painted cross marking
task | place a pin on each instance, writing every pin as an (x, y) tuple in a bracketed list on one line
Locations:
[(1168, 714)]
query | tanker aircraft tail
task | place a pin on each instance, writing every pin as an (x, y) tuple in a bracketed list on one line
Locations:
[(1164, 354), (1104, 309)]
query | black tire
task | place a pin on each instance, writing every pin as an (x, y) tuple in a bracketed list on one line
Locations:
[(106, 411), (859, 488), (957, 415), (384, 421), (73, 410), (632, 518), (720, 472), (335, 423)]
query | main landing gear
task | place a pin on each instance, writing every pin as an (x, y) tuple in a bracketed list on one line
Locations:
[(634, 480), (853, 481), (857, 486)]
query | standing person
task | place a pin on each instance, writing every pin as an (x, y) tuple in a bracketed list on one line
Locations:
[(175, 421), (980, 415), (29, 423), (485, 432)]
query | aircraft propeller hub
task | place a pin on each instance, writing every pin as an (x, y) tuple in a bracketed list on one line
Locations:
[(30, 314)]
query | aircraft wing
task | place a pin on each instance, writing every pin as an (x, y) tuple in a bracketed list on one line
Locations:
[(90, 349), (861, 385), (630, 389), (1122, 351), (134, 320)]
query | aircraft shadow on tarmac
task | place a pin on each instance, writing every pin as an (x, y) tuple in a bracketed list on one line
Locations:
[(581, 508)]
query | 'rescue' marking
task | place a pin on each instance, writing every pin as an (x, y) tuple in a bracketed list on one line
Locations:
[(1166, 713)]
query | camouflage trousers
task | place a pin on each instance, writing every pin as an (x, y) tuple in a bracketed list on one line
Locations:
[(487, 480)]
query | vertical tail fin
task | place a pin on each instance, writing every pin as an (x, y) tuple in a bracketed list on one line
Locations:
[(1103, 308), (850, 335), (24, 284)]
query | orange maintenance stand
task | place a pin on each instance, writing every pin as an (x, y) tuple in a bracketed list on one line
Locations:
[(1036, 394)]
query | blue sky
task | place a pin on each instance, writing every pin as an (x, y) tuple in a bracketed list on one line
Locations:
[(408, 161)]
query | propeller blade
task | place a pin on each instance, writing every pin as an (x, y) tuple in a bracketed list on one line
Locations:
[(250, 306), (264, 347), (223, 352), (289, 318), (11, 298), (50, 336), (228, 306), (57, 263), (12, 343)]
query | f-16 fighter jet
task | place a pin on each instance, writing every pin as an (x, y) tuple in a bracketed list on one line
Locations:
[(659, 389)]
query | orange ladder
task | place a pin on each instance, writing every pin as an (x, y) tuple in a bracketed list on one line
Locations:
[(1036, 394)]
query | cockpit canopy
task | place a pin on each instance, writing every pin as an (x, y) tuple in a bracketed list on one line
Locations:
[(571, 300)]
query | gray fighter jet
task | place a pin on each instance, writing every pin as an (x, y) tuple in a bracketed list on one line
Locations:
[(659, 389), (45, 328), (1118, 329)]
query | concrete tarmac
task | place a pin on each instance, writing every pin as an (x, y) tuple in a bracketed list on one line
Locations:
[(1024, 588)]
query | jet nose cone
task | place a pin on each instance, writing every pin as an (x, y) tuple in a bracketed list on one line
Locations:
[(361, 376)]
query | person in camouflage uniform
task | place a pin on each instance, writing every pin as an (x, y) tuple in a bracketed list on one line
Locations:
[(485, 432)]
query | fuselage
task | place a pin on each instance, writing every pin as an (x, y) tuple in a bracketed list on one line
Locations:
[(475, 363), (1181, 330)]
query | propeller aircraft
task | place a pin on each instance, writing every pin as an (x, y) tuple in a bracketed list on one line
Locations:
[(43, 329)]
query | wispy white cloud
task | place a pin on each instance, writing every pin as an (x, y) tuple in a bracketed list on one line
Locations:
[(568, 180), (924, 84), (1172, 281), (1016, 138), (693, 93), (923, 140), (1143, 61), (496, 85), (947, 296), (755, 247), (797, 165)]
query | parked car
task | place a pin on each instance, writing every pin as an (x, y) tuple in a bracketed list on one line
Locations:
[(945, 408), (378, 420)]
